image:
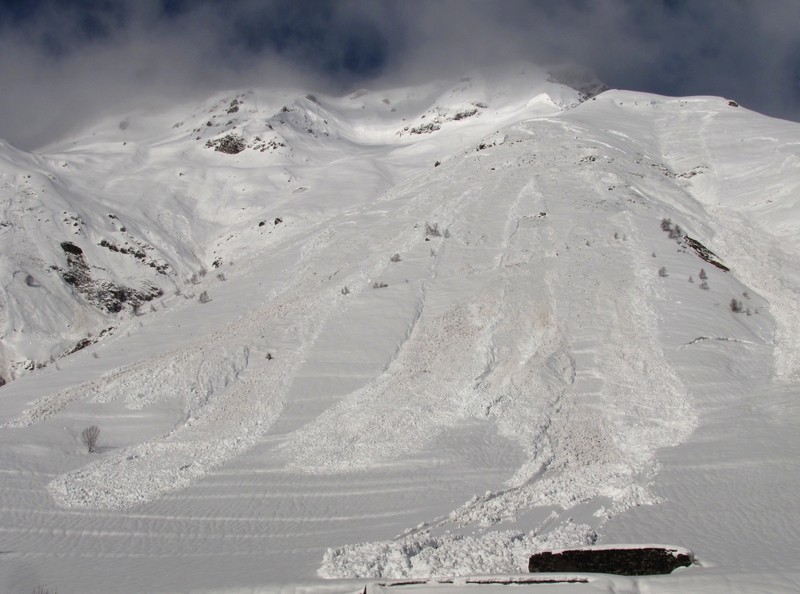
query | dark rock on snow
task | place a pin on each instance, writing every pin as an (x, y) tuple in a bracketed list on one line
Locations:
[(623, 561)]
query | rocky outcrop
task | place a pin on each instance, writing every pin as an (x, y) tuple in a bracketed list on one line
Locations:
[(104, 294)]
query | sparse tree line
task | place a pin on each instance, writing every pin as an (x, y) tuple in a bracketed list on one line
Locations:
[(676, 232), (431, 230)]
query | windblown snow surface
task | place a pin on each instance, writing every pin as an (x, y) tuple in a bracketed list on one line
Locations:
[(442, 328)]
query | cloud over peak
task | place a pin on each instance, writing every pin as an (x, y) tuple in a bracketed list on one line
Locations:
[(66, 60)]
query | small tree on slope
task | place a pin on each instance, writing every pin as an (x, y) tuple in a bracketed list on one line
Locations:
[(89, 437)]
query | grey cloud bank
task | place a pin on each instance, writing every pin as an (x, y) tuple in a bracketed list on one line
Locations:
[(65, 62)]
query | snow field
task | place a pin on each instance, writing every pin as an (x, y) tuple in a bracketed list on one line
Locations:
[(525, 380)]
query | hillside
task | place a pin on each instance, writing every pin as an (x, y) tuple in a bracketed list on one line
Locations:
[(443, 327)]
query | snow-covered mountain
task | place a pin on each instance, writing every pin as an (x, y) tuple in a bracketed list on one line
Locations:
[(141, 204), (403, 333)]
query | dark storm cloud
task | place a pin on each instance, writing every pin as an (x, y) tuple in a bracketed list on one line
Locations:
[(64, 62)]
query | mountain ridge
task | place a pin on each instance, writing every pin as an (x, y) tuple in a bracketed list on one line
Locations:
[(183, 165)]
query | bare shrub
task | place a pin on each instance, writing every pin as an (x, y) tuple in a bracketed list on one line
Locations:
[(204, 298), (662, 272), (703, 275), (379, 285), (345, 290), (89, 438), (30, 281), (736, 306), (704, 285), (395, 257), (676, 232), (432, 230)]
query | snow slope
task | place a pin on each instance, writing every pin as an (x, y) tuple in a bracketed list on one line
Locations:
[(403, 370)]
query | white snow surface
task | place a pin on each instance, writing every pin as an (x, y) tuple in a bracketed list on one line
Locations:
[(403, 370)]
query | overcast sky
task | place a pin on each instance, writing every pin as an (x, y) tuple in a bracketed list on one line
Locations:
[(63, 62)]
